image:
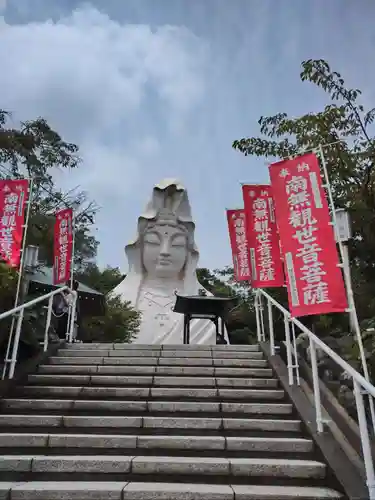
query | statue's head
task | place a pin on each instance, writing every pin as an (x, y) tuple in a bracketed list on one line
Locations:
[(164, 247)]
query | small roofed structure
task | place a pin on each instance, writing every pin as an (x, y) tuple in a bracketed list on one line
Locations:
[(213, 308), (92, 302)]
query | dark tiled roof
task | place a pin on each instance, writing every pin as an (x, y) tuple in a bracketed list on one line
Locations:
[(44, 275)]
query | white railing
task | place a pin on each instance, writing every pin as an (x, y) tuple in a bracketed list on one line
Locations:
[(361, 386), (17, 314)]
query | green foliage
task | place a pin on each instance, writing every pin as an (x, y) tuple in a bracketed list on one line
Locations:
[(211, 282), (35, 150), (8, 285), (101, 280), (243, 336), (221, 283), (119, 324), (121, 321), (345, 127)]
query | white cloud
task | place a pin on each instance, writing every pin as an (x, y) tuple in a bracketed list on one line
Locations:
[(116, 90), (91, 77)]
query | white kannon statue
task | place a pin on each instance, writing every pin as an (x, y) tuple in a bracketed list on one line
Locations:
[(162, 261)]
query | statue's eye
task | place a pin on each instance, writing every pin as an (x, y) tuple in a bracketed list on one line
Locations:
[(152, 239), (179, 241)]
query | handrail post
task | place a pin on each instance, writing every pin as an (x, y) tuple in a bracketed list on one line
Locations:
[(315, 376), (288, 349), (48, 323), (348, 285), (257, 314), (261, 309), (271, 329), (72, 317), (296, 366), (365, 440), (20, 271), (20, 311), (16, 342)]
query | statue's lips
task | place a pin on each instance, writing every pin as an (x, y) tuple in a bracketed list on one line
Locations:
[(164, 262)]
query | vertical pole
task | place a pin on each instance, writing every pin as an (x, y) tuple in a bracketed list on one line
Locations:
[(270, 326), (346, 269), (348, 286), (26, 226), (315, 375), (295, 352), (20, 275), (48, 323), (71, 316), (73, 249), (67, 333), (365, 440), (261, 309), (256, 302), (16, 342), (288, 349)]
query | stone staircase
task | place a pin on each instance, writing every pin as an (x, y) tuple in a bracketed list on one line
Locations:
[(104, 421)]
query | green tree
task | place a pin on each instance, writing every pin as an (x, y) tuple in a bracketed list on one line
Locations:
[(101, 280), (35, 150), (119, 324), (344, 128), (8, 284), (241, 320), (121, 321), (211, 282)]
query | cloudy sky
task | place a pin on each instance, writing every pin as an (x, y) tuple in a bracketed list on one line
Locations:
[(150, 89)]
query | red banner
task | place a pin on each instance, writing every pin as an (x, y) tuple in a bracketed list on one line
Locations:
[(13, 198), (238, 242), (63, 246), (315, 282), (261, 229)]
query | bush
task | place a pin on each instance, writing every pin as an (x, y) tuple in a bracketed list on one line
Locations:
[(242, 336), (120, 323)]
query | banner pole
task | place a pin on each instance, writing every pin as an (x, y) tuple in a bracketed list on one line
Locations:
[(348, 283), (72, 309), (22, 261), (20, 273), (73, 248)]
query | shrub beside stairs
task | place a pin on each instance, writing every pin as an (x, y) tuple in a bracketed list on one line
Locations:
[(126, 422)]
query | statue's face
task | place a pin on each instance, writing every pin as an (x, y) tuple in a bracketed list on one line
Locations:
[(164, 251)]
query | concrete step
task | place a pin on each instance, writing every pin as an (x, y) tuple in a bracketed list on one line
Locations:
[(112, 490), (195, 371), (138, 422), (151, 392), (116, 353), (149, 406), (159, 442), (158, 381), (166, 347), (197, 466), (152, 361)]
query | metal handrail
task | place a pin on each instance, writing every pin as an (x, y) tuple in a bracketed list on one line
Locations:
[(361, 386), (14, 340), (324, 347)]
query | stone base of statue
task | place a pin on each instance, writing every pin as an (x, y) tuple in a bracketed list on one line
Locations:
[(162, 262)]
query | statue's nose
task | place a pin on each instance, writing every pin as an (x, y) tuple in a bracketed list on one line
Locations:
[(164, 252)]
